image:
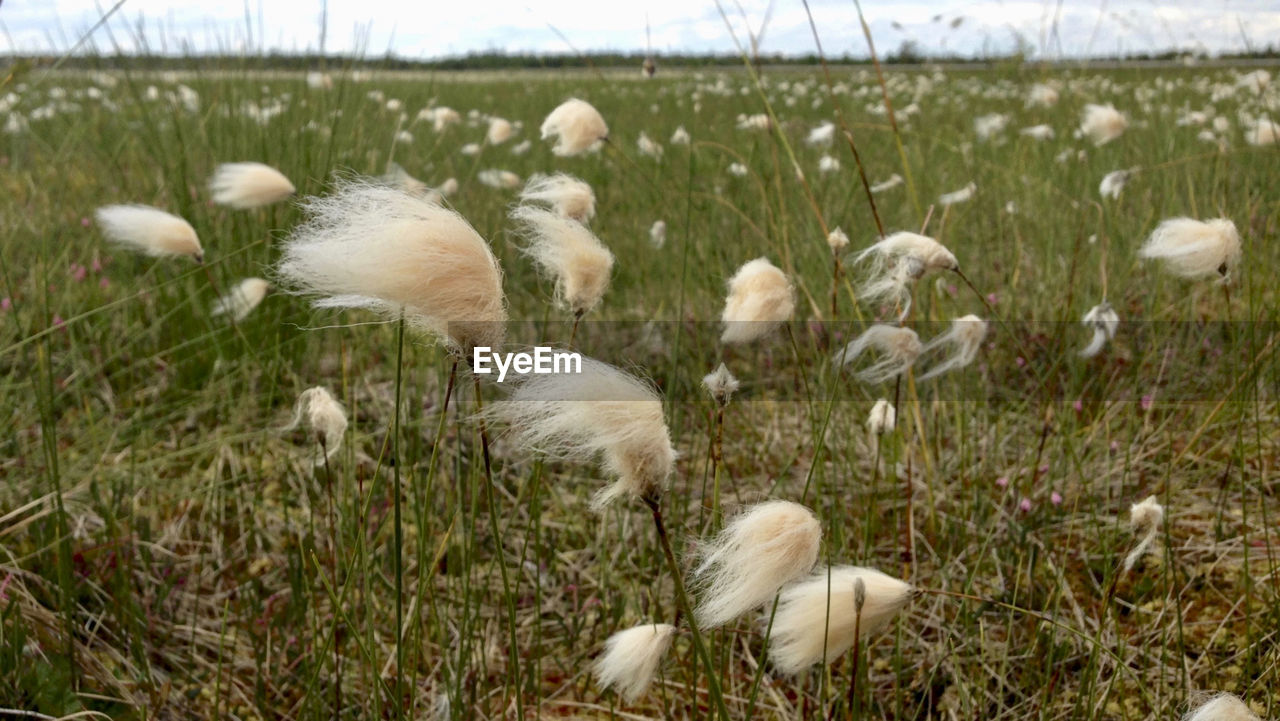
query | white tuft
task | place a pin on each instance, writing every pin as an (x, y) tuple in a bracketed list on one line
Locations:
[(1146, 518), (721, 384), (631, 657), (1195, 249), (1104, 321), (242, 299), (567, 253), (958, 196), (882, 419), (1222, 707), (962, 340), (760, 300), (764, 548), (658, 233), (577, 126), (837, 240), (149, 230), (566, 194), (500, 131), (892, 182), (249, 185), (1114, 182), (897, 261), (1102, 123), (899, 348), (325, 415)]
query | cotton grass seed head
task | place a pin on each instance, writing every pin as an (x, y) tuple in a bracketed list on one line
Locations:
[(837, 240), (324, 415), (242, 299), (1195, 249), (398, 177), (761, 299), (631, 658), (896, 262), (565, 194), (764, 548), (1102, 123), (577, 126), (882, 419), (1103, 320), (1222, 707), (149, 230), (961, 343), (1114, 182), (567, 253), (601, 413), (721, 385), (821, 612), (500, 131), (898, 349), (1145, 518), (371, 246), (249, 185)]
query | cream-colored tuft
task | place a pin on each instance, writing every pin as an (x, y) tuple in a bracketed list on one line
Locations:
[(1146, 518), (242, 299), (898, 347), (601, 413), (500, 131), (761, 299), (631, 658), (1222, 707), (567, 253), (1103, 320), (325, 415), (398, 177), (882, 419), (1195, 249), (764, 548), (566, 194), (837, 240), (896, 262), (820, 612), (891, 182), (371, 246), (961, 341), (962, 195), (149, 230), (721, 385), (249, 185), (1102, 123), (577, 126), (1113, 183)]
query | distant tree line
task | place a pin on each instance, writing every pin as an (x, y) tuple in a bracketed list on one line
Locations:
[(908, 52)]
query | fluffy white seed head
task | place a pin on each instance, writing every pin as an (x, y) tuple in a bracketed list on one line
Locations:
[(1222, 707), (658, 233), (567, 195), (837, 240), (500, 131), (631, 657), (1262, 131), (577, 127), (820, 612), (1103, 320), (648, 146), (761, 299), (372, 246), (497, 178), (1042, 95), (242, 299), (961, 343), (448, 187), (149, 230), (898, 348), (986, 126), (323, 414), (601, 413), (1102, 123), (898, 261), (249, 185), (822, 135), (764, 548), (1114, 182), (1146, 518), (680, 136), (882, 419), (893, 181), (398, 177), (1038, 132), (958, 196), (567, 253), (721, 384), (1195, 249)]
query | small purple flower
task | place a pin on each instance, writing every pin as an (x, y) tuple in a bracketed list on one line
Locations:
[(103, 282), (1146, 402), (57, 321), (1115, 446), (1078, 405), (84, 222), (1024, 505), (6, 303), (1020, 361), (96, 265), (992, 299), (78, 272), (1044, 468), (1003, 481), (1055, 498)]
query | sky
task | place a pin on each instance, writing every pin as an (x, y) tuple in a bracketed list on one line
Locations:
[(425, 29)]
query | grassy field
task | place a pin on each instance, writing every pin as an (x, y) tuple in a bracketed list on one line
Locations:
[(169, 552)]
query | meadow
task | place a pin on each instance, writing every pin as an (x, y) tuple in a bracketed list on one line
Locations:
[(169, 550)]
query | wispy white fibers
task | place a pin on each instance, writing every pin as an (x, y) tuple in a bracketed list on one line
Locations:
[(1103, 320), (820, 612), (1038, 132), (1114, 182), (764, 548), (958, 196), (1042, 95), (249, 185), (371, 246), (822, 135), (501, 179), (897, 261), (658, 233), (898, 348), (325, 415), (648, 146), (567, 195), (601, 413), (760, 300), (882, 419), (242, 299), (500, 131), (1222, 707), (892, 182), (577, 127), (569, 254), (1195, 249), (1102, 123), (631, 657), (721, 385), (680, 136), (1262, 131), (961, 343), (149, 230), (837, 240), (398, 177), (1145, 517), (985, 126)]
